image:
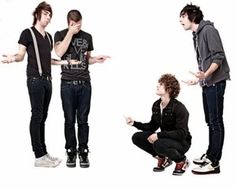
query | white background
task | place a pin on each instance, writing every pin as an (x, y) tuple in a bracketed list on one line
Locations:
[(144, 39)]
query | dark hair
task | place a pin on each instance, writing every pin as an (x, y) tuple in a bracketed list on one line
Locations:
[(74, 15), (171, 84), (194, 13), (38, 10)]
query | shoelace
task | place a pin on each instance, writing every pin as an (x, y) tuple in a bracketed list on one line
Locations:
[(52, 158), (204, 164)]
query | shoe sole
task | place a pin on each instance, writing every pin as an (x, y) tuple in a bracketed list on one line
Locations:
[(178, 174), (217, 171), (84, 166), (71, 165), (155, 169), (46, 166)]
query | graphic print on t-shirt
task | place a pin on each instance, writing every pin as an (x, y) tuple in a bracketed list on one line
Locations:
[(78, 51)]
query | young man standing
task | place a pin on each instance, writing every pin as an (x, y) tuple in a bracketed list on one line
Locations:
[(75, 45), (212, 76), (38, 79)]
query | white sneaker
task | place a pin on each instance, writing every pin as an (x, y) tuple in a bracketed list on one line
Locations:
[(44, 161), (200, 161), (207, 168), (54, 159)]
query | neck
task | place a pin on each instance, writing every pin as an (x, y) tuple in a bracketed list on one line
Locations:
[(194, 27), (40, 28), (164, 101)]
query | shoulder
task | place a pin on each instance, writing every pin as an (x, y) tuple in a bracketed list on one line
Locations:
[(156, 104), (179, 106), (85, 34), (25, 32), (62, 32)]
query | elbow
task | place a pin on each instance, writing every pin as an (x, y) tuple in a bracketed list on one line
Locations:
[(59, 54)]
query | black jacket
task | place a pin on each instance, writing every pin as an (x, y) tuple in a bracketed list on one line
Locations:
[(173, 122)]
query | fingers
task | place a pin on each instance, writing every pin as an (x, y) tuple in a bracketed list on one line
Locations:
[(129, 120), (193, 73)]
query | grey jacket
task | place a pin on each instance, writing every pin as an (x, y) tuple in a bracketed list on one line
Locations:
[(209, 49)]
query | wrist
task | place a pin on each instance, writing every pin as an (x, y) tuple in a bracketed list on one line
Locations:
[(68, 61), (13, 59)]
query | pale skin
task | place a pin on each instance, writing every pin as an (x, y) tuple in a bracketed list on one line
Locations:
[(200, 75), (62, 46), (165, 99), (40, 26)]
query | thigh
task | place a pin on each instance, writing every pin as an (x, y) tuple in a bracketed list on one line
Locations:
[(166, 144), (141, 136), (214, 99), (68, 100), (36, 94), (83, 101)]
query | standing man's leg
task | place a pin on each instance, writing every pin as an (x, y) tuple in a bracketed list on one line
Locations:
[(83, 108), (69, 108), (37, 93), (46, 102), (213, 101)]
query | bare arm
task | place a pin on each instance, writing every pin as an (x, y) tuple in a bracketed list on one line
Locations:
[(17, 57), (62, 46), (64, 62), (96, 59), (203, 75)]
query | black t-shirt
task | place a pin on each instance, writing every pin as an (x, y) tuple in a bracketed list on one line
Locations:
[(44, 46), (80, 44)]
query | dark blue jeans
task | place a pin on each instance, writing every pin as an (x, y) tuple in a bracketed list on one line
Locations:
[(213, 103), (163, 147), (76, 97), (40, 92)]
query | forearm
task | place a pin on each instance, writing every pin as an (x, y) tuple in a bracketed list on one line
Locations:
[(59, 62), (91, 60), (211, 69), (61, 47)]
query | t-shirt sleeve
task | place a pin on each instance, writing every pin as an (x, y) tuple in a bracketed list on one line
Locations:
[(24, 38), (57, 37), (90, 47)]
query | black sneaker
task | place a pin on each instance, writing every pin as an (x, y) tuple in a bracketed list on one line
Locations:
[(162, 164), (71, 158), (83, 158)]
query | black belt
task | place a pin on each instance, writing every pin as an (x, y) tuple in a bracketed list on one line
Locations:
[(74, 82), (48, 78)]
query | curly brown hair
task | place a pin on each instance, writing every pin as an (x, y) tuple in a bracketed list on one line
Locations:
[(171, 84)]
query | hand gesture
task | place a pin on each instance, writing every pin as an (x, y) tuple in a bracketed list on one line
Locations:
[(101, 58), (152, 138), (8, 58), (74, 28), (200, 75), (190, 82), (129, 121)]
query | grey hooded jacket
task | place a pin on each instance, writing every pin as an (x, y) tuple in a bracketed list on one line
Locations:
[(209, 49)]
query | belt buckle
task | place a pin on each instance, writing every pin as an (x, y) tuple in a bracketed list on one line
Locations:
[(75, 82)]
